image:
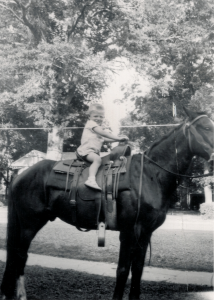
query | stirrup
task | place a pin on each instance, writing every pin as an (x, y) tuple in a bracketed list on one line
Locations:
[(101, 234)]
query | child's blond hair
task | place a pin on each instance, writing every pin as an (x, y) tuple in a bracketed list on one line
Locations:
[(96, 107)]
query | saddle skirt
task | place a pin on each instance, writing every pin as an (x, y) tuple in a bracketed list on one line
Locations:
[(112, 177)]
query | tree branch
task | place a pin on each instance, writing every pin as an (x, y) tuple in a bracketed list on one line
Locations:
[(26, 21), (198, 67), (102, 10), (5, 179), (78, 19), (28, 5), (12, 13), (102, 41)]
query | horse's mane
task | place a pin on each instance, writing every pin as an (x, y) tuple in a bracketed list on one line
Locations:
[(163, 138)]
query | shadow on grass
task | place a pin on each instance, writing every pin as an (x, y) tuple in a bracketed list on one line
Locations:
[(55, 284)]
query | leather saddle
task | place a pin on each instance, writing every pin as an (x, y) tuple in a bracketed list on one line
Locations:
[(112, 177)]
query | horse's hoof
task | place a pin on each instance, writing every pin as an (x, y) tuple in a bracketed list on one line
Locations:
[(21, 297), (6, 298), (21, 293)]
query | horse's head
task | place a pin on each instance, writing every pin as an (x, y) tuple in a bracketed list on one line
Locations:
[(199, 130)]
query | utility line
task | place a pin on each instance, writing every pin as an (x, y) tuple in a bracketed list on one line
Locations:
[(65, 128)]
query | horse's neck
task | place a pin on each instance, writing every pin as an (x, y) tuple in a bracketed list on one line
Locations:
[(172, 153)]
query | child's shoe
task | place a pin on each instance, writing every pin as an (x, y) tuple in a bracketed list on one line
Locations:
[(92, 184)]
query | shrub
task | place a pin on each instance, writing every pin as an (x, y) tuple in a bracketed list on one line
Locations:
[(207, 210)]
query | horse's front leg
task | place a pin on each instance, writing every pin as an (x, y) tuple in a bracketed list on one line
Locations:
[(139, 255), (125, 258)]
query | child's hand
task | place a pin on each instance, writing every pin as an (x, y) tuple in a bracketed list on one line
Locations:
[(123, 138)]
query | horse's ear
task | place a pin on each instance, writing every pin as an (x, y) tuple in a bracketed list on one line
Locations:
[(191, 114)]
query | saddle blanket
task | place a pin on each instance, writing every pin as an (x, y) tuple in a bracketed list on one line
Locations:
[(62, 175)]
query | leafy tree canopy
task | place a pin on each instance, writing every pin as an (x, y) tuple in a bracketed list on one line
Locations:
[(54, 58), (180, 38)]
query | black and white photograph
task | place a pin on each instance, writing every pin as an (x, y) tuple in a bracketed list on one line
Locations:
[(107, 150)]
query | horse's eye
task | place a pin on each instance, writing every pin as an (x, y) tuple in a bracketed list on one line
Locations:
[(207, 128)]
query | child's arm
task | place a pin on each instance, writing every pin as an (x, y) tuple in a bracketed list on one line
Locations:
[(109, 140), (112, 137), (121, 137)]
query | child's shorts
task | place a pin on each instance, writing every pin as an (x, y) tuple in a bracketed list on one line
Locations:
[(82, 157)]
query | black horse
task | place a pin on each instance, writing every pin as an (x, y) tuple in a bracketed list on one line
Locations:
[(140, 210)]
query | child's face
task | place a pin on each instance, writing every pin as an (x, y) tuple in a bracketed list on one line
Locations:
[(97, 116)]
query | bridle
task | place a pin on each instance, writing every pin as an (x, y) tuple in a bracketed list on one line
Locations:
[(187, 128), (186, 131)]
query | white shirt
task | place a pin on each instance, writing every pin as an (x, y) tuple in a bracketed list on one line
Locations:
[(90, 141)]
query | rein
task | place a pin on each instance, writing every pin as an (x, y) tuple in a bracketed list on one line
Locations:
[(176, 174), (137, 233)]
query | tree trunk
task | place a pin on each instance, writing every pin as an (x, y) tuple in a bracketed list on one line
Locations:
[(55, 143), (207, 188)]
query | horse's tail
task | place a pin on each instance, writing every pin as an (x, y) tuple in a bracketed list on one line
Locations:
[(13, 235)]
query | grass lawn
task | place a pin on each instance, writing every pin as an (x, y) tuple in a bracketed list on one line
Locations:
[(173, 249), (55, 284)]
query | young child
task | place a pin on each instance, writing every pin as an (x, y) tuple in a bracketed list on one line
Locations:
[(92, 140)]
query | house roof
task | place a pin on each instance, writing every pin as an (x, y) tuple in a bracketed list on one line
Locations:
[(28, 159)]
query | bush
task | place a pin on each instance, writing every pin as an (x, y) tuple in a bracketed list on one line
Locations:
[(207, 210)]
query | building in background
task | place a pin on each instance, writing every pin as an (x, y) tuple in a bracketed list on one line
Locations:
[(35, 156), (27, 161)]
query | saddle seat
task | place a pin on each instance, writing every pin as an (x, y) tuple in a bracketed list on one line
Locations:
[(122, 150)]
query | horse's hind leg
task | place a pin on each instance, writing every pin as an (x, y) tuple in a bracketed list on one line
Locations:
[(125, 258), (26, 236), (27, 233), (8, 284), (139, 255), (17, 257)]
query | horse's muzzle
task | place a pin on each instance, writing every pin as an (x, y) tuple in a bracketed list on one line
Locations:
[(211, 157)]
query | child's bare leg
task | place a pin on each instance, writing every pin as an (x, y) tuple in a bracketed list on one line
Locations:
[(96, 162)]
